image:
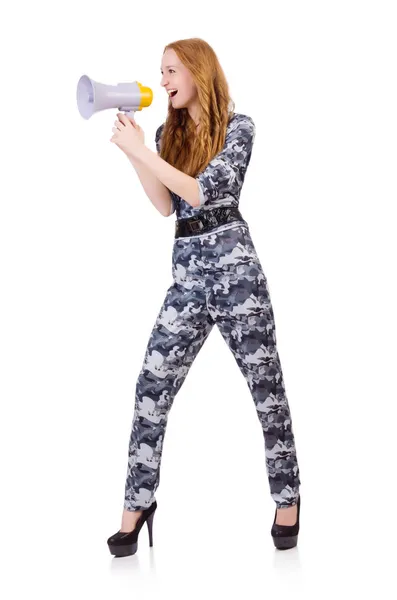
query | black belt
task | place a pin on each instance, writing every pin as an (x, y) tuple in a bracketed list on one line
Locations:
[(207, 220)]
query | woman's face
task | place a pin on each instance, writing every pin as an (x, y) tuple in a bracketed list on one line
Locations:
[(175, 76)]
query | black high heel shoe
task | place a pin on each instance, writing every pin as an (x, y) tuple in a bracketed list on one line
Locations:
[(286, 536), (125, 543)]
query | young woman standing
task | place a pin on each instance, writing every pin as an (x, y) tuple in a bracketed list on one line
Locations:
[(203, 151)]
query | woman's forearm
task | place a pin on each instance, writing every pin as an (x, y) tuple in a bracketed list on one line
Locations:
[(178, 182), (155, 190)]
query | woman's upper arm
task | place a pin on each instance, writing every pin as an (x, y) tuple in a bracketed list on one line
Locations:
[(224, 174)]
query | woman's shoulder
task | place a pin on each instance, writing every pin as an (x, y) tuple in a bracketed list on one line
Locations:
[(240, 130), (240, 121)]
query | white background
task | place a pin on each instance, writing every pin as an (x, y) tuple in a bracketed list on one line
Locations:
[(86, 261)]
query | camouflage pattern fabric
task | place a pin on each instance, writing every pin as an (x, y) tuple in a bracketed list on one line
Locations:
[(217, 279), (220, 183)]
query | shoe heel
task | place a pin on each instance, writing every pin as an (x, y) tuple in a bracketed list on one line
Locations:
[(150, 528), (125, 543)]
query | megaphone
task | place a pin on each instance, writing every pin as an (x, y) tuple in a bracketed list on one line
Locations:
[(129, 97)]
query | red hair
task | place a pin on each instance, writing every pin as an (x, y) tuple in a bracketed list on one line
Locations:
[(182, 146)]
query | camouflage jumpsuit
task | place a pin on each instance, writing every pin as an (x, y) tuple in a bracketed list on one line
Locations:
[(217, 279)]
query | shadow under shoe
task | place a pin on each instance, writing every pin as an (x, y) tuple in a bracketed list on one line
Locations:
[(286, 536), (125, 543)]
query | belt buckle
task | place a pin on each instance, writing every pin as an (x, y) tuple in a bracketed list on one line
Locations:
[(192, 225)]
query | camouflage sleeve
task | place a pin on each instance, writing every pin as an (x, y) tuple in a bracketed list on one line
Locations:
[(225, 173), (157, 138), (159, 131)]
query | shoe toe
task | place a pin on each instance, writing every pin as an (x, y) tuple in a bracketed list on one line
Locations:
[(114, 538)]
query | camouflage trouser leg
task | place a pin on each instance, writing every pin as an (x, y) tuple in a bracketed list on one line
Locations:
[(217, 278)]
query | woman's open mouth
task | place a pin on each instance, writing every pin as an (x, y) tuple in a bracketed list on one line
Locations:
[(172, 93)]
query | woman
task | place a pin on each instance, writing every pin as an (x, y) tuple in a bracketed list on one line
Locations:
[(203, 151)]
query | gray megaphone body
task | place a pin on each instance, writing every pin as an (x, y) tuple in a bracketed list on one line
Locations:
[(129, 97)]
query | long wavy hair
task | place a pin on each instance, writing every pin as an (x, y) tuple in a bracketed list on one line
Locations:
[(182, 146)]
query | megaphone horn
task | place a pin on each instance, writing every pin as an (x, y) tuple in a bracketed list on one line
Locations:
[(93, 97)]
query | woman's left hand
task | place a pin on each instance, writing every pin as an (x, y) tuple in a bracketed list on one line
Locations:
[(127, 135)]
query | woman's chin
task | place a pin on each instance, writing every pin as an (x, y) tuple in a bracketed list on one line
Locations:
[(176, 102)]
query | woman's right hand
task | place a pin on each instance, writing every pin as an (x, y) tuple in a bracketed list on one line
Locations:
[(137, 127)]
